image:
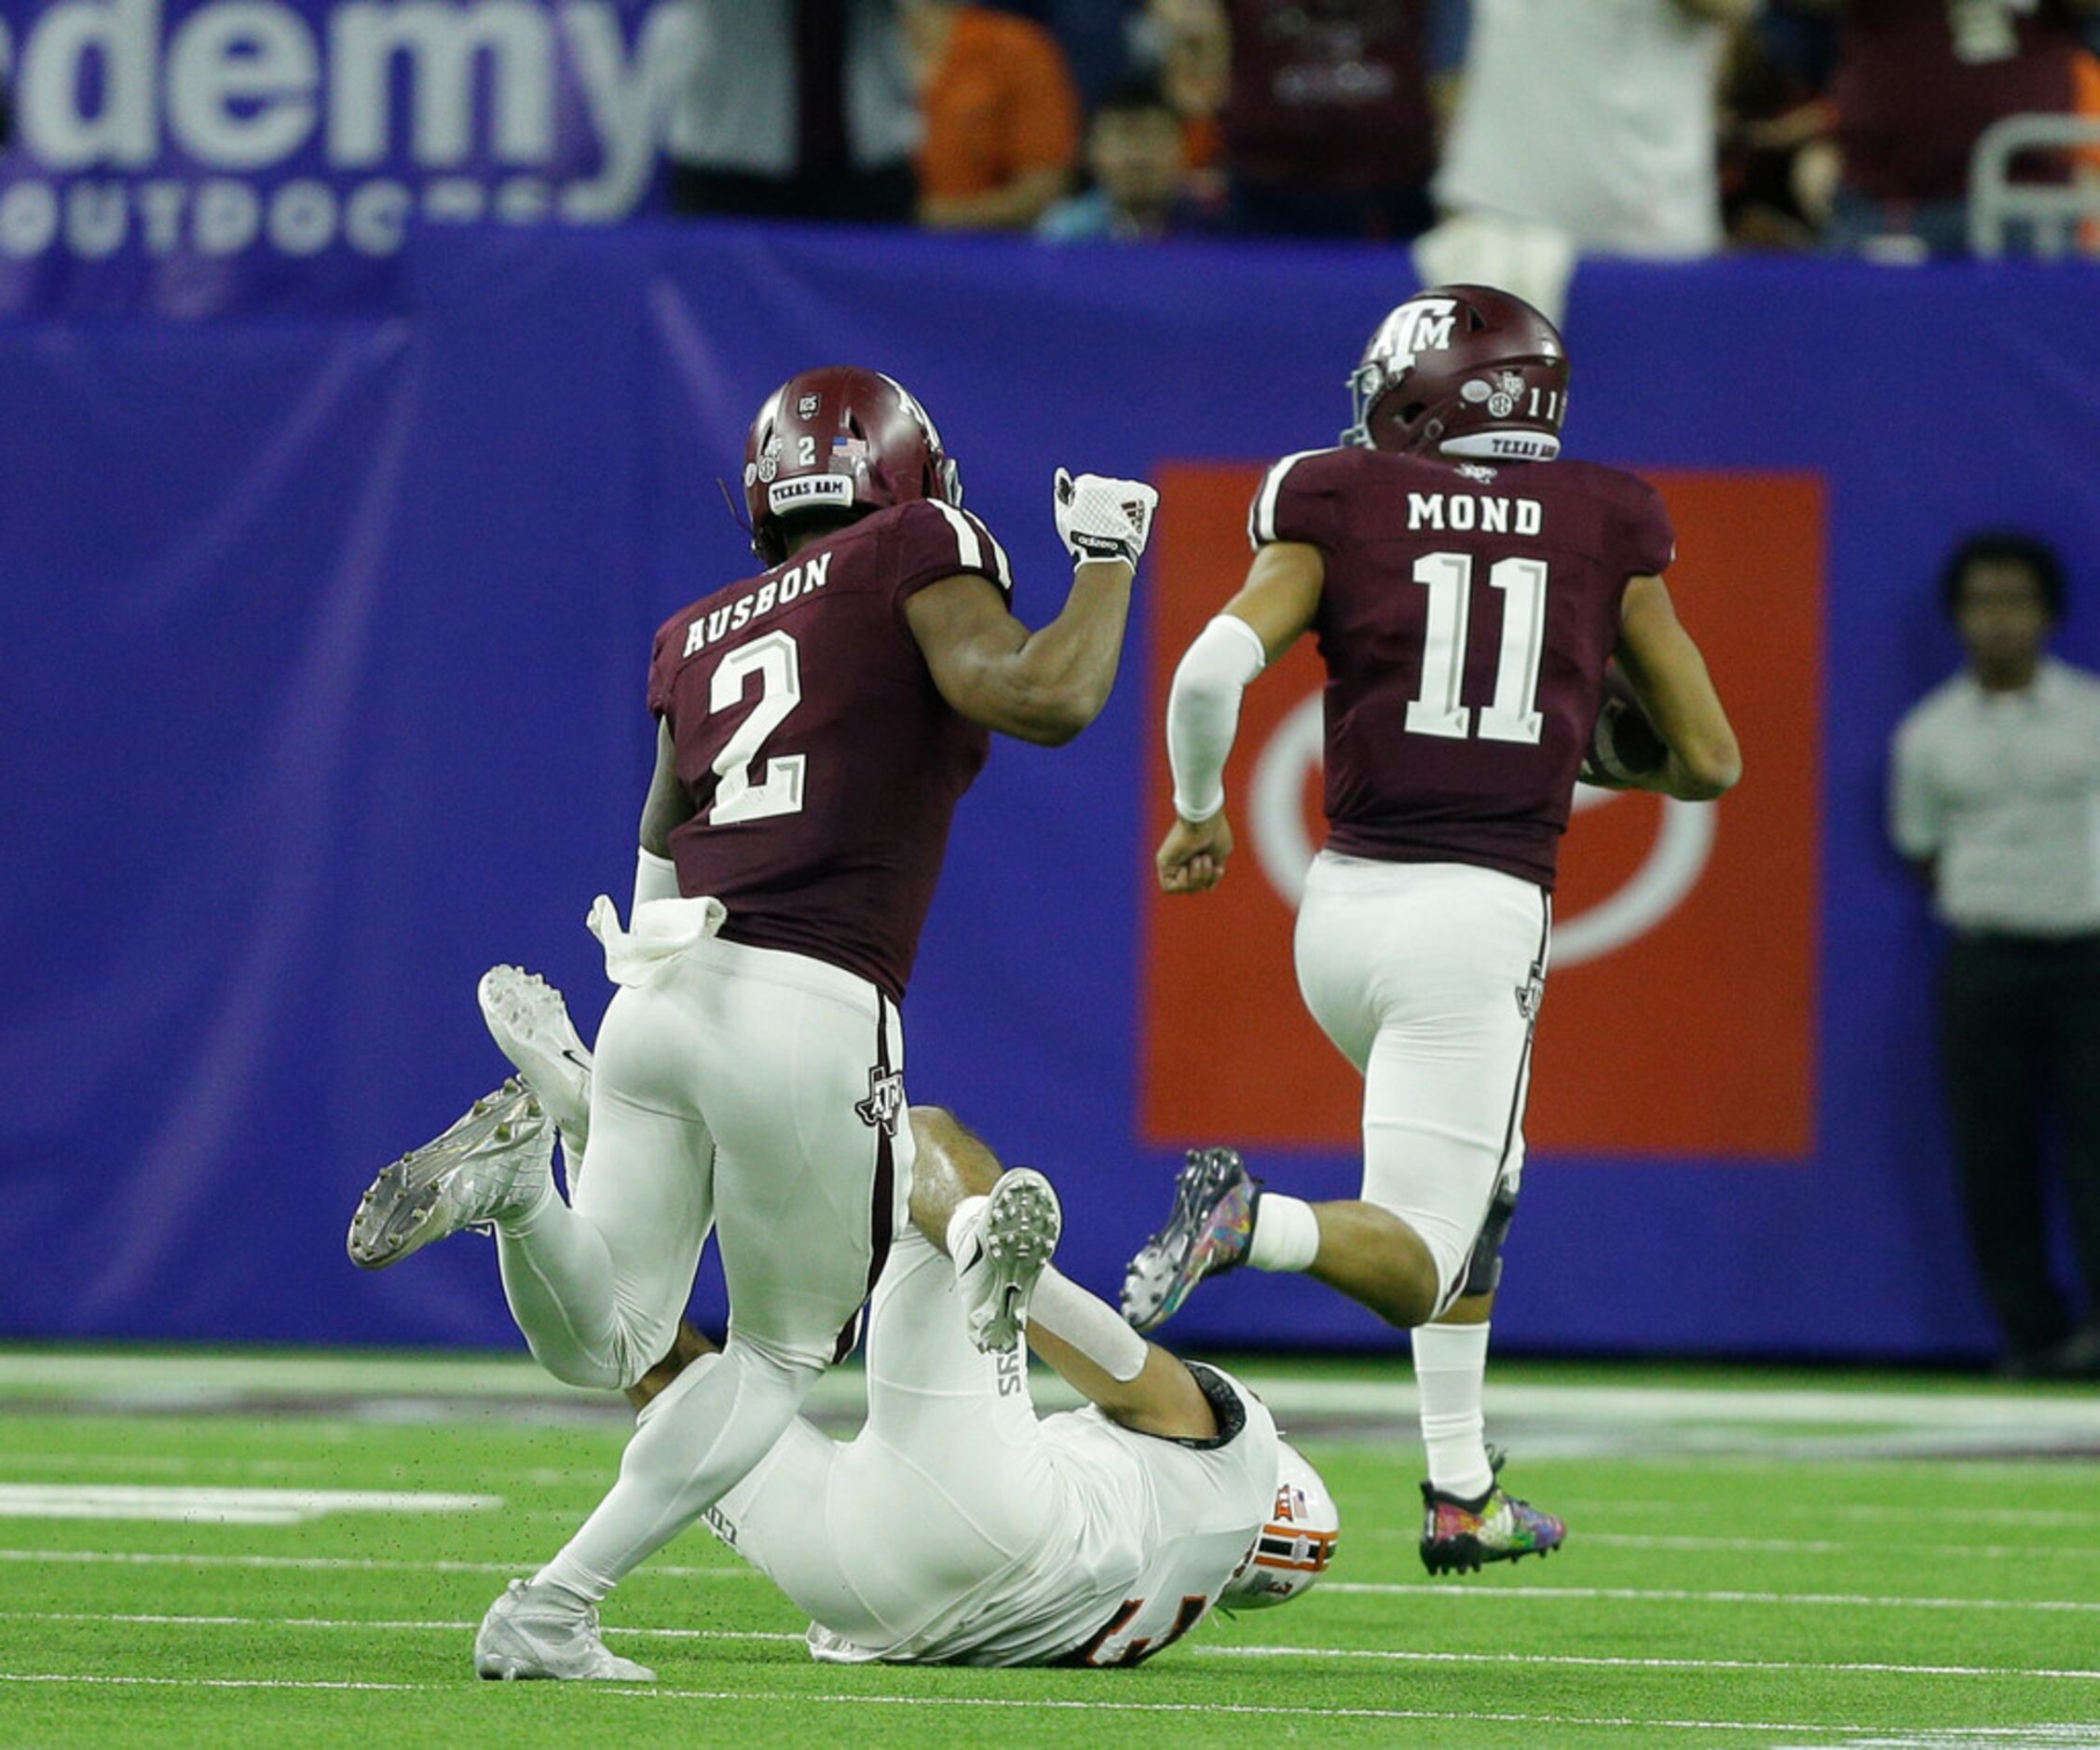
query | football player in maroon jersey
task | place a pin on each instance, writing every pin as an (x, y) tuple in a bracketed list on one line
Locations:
[(1468, 590), (817, 724)]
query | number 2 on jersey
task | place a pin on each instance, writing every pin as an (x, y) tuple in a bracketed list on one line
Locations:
[(778, 664), (1512, 715)]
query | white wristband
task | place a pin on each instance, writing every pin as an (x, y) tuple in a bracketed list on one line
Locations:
[(1203, 712), (655, 878)]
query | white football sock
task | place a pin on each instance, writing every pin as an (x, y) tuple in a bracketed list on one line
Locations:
[(1451, 1365), (1286, 1233), (1088, 1323), (961, 1224), (697, 1440)]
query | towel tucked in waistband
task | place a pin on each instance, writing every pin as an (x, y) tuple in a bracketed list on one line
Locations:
[(663, 929)]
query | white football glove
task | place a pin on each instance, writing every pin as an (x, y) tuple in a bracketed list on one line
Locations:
[(1100, 517)]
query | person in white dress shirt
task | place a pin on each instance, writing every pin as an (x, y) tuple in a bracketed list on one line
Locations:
[(1995, 798)]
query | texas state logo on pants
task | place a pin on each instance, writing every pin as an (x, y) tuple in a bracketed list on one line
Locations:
[(1679, 1016)]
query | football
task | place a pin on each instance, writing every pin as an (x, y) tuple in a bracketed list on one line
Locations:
[(1625, 746)]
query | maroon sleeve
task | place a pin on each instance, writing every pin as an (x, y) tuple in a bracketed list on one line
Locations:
[(663, 663), (1299, 498), (1651, 539), (930, 541)]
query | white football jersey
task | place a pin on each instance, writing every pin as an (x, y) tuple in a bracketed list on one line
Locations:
[(1146, 1535)]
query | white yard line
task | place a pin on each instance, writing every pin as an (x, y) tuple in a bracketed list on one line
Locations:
[(192, 1505), (1416, 1589), (346, 1563), (462, 1626), (1776, 1546), (1617, 1722), (2039, 1517)]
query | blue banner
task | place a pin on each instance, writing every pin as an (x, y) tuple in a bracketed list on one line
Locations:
[(324, 639), (200, 157)]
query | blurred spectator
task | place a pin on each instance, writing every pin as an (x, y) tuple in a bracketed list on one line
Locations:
[(801, 109), (1918, 81), (1325, 105), (1002, 117), (1180, 41), (1778, 162), (1994, 798), (1134, 152), (1598, 120)]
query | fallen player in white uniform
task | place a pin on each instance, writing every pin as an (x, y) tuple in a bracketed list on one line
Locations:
[(958, 1527)]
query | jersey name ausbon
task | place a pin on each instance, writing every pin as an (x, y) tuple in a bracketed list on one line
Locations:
[(822, 763), (1466, 620)]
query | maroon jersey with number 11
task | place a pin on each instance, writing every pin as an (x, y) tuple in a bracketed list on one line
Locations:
[(1467, 618), (822, 763)]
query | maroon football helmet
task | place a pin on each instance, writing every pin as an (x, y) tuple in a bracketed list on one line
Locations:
[(842, 438), (1464, 371)]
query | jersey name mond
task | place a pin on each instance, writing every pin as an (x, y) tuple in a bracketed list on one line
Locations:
[(796, 582), (1467, 512)]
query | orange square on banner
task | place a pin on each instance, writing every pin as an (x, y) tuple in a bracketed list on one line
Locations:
[(1680, 1010)]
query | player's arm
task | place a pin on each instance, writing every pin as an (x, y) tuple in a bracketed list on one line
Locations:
[(1668, 677), (668, 806), (1043, 686), (1272, 612)]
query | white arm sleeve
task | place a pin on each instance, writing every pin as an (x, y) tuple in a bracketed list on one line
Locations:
[(1203, 712), (655, 878)]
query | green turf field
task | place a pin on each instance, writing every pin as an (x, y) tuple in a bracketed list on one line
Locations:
[(1754, 1560)]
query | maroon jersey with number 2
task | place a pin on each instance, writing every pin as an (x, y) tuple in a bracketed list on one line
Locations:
[(822, 763), (1467, 617)]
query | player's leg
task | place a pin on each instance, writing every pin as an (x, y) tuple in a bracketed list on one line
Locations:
[(598, 1287), (1424, 975), (1468, 1517), (1446, 1079), (810, 1182), (1132, 1381), (1451, 1359)]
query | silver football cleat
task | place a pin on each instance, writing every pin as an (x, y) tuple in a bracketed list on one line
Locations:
[(535, 1631), (496, 1159), (530, 1024), (1002, 1256)]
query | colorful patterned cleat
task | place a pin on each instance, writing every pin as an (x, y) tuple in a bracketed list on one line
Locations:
[(1208, 1232), (1457, 1536)]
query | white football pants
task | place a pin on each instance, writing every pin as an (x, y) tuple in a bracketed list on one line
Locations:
[(760, 1091), (757, 1091), (1427, 978)]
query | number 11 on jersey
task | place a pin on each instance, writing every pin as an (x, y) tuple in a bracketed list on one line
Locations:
[(1513, 714)]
